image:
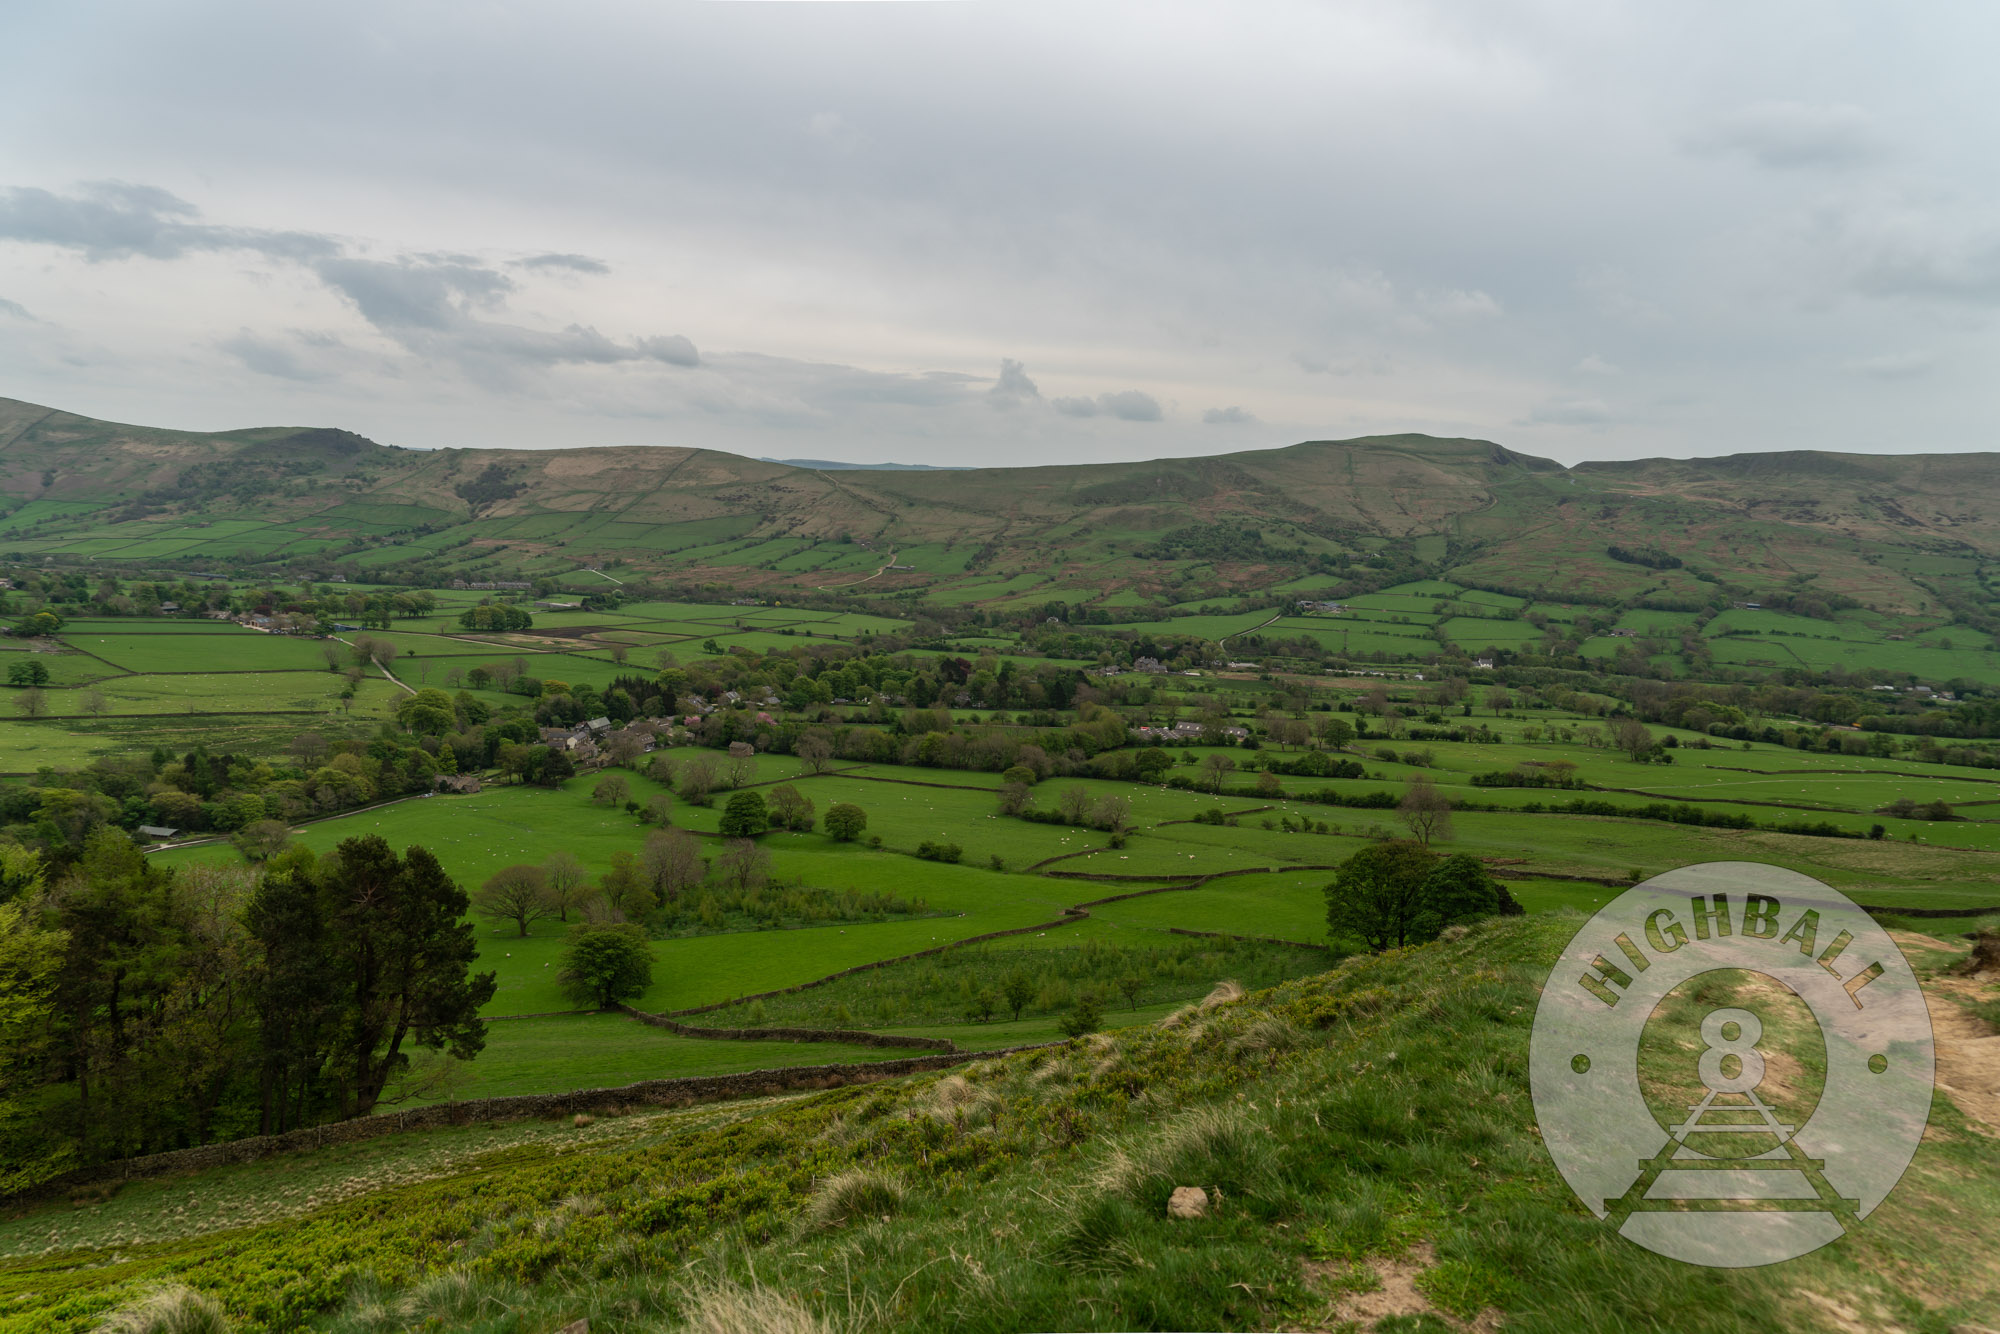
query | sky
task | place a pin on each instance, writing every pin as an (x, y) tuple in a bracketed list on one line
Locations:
[(987, 232)]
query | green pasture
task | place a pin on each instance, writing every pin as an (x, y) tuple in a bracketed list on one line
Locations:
[(246, 650)]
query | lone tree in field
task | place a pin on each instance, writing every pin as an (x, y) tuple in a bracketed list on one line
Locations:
[(603, 965), (94, 703), (32, 702), (745, 816), (844, 821), (1389, 895), (611, 790), (1215, 768), (1377, 894), (815, 751), (1014, 798), (743, 866), (1425, 811), (517, 894)]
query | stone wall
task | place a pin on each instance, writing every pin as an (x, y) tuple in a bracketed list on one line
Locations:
[(854, 1036)]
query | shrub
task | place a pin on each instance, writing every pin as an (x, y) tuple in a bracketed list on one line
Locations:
[(939, 852)]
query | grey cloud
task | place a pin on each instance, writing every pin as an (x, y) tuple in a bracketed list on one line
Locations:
[(268, 356), (574, 263), (1893, 365), (1785, 135), (408, 294), (1013, 387), (1571, 412), (16, 310), (1127, 405), (1230, 416), (1596, 365), (1924, 257), (115, 220), (1314, 365)]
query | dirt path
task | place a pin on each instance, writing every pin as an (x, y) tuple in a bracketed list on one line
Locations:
[(1251, 631), (864, 579)]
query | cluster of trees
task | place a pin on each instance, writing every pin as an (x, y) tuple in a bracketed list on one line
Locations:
[(58, 810), (496, 616), (145, 1009), (1397, 893)]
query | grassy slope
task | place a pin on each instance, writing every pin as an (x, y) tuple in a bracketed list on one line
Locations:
[(1875, 528), (1377, 1111)]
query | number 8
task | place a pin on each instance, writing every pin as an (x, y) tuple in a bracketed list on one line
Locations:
[(1722, 1043)]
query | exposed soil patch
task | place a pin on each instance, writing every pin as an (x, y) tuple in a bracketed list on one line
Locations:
[(1968, 1053), (1397, 1294)]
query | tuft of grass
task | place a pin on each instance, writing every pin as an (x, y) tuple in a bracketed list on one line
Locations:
[(721, 1307), (176, 1309), (860, 1192)]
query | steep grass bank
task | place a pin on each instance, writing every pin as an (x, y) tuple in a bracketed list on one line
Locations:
[(1364, 1129)]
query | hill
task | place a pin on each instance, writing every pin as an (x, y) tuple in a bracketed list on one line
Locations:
[(1906, 534), (1365, 1142)]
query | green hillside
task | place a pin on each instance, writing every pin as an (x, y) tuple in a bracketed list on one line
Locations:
[(1364, 1140), (1911, 536)]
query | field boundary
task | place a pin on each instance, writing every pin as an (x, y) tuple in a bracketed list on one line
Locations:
[(858, 1037)]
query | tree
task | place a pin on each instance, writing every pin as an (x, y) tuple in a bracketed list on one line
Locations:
[(743, 865), (1017, 991), (744, 816), (1377, 895), (28, 671), (1425, 811), (1014, 798), (94, 703), (32, 702), (1087, 1016), (568, 881), (1498, 700), (1074, 805), (815, 751), (1460, 889), (309, 749), (844, 821), (697, 781), (403, 961), (605, 964), (984, 1004), (556, 767), (1111, 812), (742, 763), (659, 809), (1131, 984), (261, 840), (611, 790), (791, 809), (671, 864), (517, 894), (1334, 731), (1630, 735), (1215, 767)]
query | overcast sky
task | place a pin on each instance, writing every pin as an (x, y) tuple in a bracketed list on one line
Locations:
[(998, 232)]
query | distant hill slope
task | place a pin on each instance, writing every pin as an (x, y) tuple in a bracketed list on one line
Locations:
[(1900, 532)]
